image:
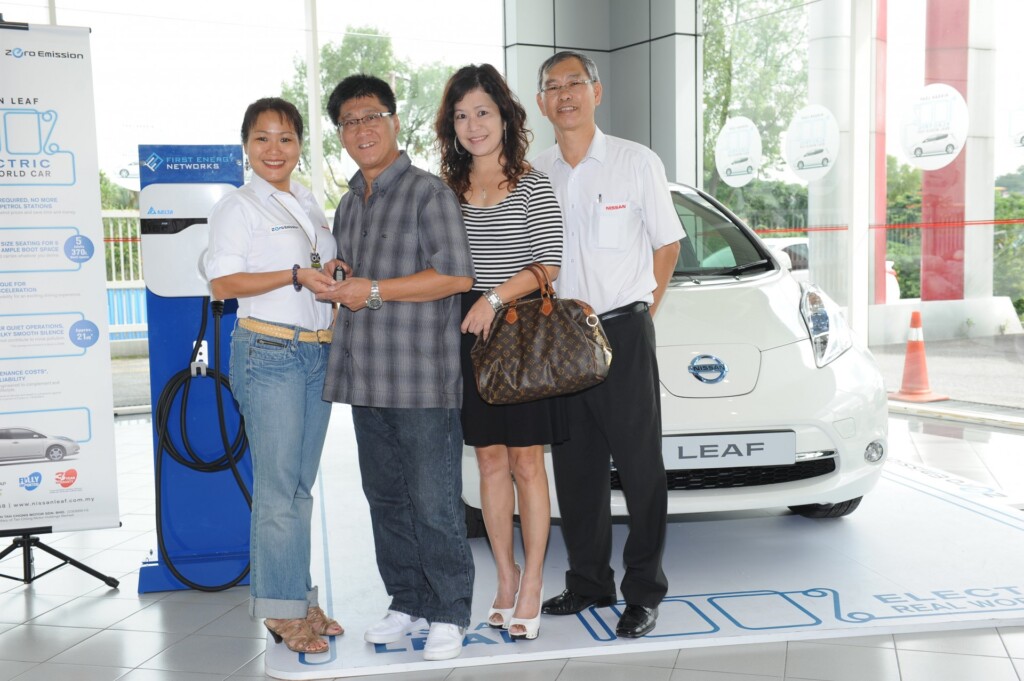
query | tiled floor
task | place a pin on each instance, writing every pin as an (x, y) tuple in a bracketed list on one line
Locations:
[(69, 626)]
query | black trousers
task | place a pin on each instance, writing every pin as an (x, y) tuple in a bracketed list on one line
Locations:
[(619, 418)]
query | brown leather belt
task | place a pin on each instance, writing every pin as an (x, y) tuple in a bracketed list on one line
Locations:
[(283, 332)]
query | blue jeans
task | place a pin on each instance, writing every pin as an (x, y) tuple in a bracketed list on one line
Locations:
[(411, 466), (278, 385)]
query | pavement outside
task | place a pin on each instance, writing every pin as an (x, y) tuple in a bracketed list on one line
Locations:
[(985, 371), (984, 374)]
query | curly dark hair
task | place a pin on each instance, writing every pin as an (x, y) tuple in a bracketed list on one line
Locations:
[(455, 164)]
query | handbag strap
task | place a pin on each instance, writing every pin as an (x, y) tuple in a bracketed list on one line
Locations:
[(547, 291)]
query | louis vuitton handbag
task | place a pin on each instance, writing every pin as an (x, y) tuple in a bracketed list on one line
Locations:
[(540, 347)]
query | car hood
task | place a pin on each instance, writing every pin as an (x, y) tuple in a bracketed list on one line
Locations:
[(728, 322)]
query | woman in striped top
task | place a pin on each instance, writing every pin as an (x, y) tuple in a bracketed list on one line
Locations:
[(512, 220)]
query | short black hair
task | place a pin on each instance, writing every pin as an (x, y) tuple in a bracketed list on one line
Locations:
[(282, 107), (356, 86)]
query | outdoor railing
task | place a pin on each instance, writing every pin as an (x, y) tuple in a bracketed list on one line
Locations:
[(126, 291)]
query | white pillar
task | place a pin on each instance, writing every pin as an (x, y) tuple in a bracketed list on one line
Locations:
[(829, 55), (980, 149), (649, 59), (858, 263), (314, 116)]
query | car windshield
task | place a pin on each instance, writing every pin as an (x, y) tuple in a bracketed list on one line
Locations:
[(714, 244)]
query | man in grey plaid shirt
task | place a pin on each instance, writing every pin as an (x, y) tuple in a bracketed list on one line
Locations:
[(395, 359)]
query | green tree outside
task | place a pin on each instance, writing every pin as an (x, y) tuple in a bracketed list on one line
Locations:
[(1008, 247), (120, 235), (755, 65), (115, 197), (366, 49)]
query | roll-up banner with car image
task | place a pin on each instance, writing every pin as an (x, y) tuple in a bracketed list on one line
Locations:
[(57, 462)]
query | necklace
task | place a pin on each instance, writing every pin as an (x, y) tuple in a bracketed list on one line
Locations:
[(479, 186), (314, 256)]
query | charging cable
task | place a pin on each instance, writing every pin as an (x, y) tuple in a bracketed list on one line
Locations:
[(181, 382)]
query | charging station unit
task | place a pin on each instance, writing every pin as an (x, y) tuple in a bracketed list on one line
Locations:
[(201, 459)]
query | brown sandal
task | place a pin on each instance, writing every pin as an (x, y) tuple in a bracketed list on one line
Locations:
[(297, 635), (321, 624)]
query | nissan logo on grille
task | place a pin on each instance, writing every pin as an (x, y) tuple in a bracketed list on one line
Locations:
[(708, 369)]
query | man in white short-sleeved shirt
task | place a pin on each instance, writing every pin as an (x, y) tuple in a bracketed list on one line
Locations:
[(621, 244)]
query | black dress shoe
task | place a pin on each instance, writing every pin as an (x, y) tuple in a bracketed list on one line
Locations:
[(636, 621), (569, 603)]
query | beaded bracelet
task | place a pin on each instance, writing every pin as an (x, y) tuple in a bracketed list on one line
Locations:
[(295, 278)]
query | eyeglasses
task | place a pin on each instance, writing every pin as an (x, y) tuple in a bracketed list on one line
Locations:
[(368, 120), (573, 87)]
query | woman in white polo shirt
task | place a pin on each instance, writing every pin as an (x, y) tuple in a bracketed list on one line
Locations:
[(268, 239)]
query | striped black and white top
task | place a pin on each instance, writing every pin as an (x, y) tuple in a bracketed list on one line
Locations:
[(525, 227)]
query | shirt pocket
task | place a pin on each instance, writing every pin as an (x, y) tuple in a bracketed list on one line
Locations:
[(613, 225)]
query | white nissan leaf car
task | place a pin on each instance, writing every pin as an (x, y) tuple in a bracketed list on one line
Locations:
[(767, 398), (24, 443)]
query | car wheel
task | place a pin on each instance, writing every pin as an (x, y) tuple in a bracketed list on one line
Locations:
[(949, 148), (123, 173), (475, 527), (918, 152), (824, 163), (800, 165), (55, 453), (750, 169), (827, 510), (728, 171)]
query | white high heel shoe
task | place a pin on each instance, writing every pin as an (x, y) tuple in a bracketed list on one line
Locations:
[(504, 613), (531, 625)]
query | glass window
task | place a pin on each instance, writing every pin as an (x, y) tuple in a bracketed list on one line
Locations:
[(714, 244), (945, 234), (395, 46), (181, 72)]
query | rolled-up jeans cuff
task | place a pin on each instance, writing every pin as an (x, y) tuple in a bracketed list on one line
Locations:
[(278, 609)]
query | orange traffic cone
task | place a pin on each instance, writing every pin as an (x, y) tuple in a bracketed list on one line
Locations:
[(915, 368)]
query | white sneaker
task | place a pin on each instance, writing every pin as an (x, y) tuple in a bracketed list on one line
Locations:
[(444, 641), (393, 627)]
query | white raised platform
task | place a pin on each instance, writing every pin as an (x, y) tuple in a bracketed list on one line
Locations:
[(919, 554)]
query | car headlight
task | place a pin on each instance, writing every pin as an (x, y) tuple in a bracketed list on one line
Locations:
[(830, 334)]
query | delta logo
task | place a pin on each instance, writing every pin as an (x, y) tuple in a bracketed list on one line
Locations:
[(154, 161), (30, 481), (66, 478)]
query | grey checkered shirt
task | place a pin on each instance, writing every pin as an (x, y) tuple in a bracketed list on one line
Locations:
[(404, 355)]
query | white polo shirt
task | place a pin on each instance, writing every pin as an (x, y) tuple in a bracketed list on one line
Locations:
[(258, 228), (617, 210)]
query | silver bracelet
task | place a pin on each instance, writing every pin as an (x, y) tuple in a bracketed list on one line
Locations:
[(493, 298)]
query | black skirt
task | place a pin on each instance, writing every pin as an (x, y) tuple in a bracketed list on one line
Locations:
[(540, 422)]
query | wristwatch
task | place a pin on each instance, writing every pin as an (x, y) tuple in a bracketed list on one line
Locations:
[(494, 299), (374, 302)]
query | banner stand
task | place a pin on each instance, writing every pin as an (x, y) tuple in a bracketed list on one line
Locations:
[(24, 540), (56, 393)]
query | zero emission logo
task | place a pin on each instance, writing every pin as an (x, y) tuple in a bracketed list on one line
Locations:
[(19, 53), (30, 481)]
